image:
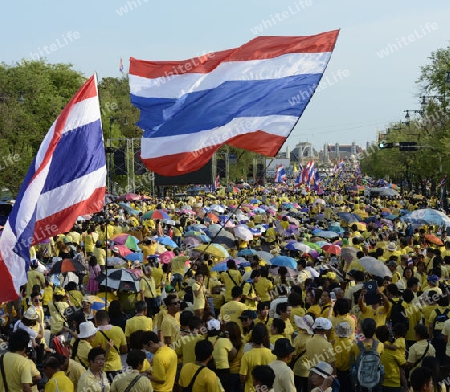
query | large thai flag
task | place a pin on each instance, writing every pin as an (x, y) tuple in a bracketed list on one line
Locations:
[(66, 179), (249, 97)]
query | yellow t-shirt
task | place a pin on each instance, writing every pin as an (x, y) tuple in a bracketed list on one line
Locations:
[(137, 323), (121, 382), (88, 382), (89, 242), (250, 292), (319, 349), (206, 379), (263, 287), (74, 372), (59, 382), (147, 285), (48, 295), (199, 301), (222, 347), (185, 347), (379, 315), (177, 264), (113, 361), (392, 360), (230, 282), (56, 310), (342, 348), (100, 255), (315, 310), (82, 353), (274, 338), (17, 371), (34, 278), (297, 311), (231, 311), (157, 275), (170, 327), (164, 368), (256, 356), (75, 297)]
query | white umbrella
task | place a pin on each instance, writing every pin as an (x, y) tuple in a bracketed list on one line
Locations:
[(243, 233), (374, 266)]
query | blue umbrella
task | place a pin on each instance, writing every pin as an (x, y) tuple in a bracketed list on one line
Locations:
[(220, 267), (284, 261), (254, 201), (427, 216), (134, 257), (349, 217), (128, 209), (166, 241), (325, 234), (246, 252)]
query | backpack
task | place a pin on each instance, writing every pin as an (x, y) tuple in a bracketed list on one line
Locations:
[(398, 314), (367, 372), (438, 324)]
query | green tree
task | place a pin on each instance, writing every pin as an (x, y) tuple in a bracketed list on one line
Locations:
[(32, 95)]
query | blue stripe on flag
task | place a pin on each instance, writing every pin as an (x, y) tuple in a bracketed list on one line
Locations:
[(204, 110), (79, 152)]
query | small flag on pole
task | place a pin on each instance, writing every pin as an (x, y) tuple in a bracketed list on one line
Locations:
[(216, 183), (120, 66), (443, 181), (280, 176)]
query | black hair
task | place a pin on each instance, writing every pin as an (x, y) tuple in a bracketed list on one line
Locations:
[(368, 327), (262, 306), (140, 306), (408, 296), (18, 341), (259, 334), (150, 336), (203, 350), (194, 322), (295, 299), (136, 340), (95, 352), (185, 317), (279, 324), (115, 309), (281, 307), (135, 358), (400, 330), (420, 377), (422, 331), (101, 315), (341, 307), (168, 300), (264, 375), (236, 291), (52, 362)]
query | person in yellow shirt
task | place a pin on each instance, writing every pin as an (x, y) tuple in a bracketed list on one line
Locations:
[(111, 339), (164, 364), (257, 355), (264, 287), (95, 378), (57, 380), (138, 322), (277, 330), (342, 345), (375, 311), (170, 327), (35, 278), (135, 361), (232, 310), (100, 254), (147, 291), (231, 278), (197, 374)]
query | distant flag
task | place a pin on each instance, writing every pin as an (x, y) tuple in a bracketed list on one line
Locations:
[(295, 169), (299, 179), (443, 181), (280, 175), (216, 183), (357, 170), (66, 179), (311, 171), (340, 166), (121, 65), (188, 109)]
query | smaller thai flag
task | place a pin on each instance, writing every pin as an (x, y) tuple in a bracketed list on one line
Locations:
[(216, 183), (299, 180), (120, 66), (443, 181), (280, 176)]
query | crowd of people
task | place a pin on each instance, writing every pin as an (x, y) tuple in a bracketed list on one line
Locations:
[(209, 310)]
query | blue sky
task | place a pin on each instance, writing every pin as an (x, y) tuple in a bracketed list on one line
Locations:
[(376, 90)]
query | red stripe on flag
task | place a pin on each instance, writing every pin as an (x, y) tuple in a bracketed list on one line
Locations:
[(63, 220), (7, 290), (260, 48), (185, 162)]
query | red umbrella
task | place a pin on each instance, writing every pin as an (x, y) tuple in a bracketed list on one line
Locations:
[(123, 250), (213, 217), (432, 239), (332, 249)]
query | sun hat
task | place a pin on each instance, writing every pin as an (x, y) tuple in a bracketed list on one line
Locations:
[(31, 314), (322, 323), (115, 249), (136, 264), (282, 348), (392, 247), (213, 324), (87, 329), (323, 369), (305, 323), (343, 330)]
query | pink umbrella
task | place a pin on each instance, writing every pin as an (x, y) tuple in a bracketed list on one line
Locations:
[(123, 250), (166, 257), (120, 239), (129, 197)]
